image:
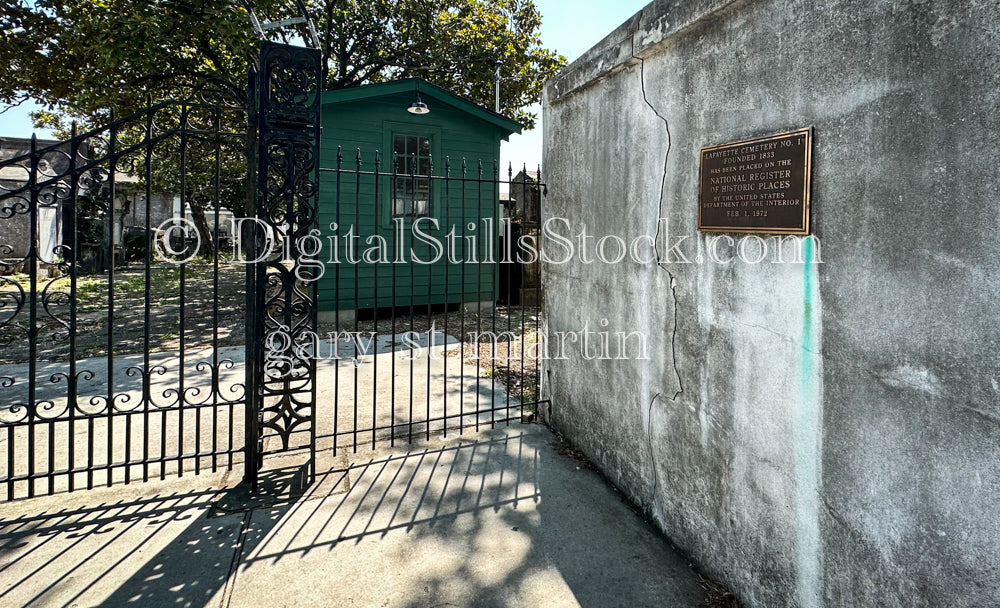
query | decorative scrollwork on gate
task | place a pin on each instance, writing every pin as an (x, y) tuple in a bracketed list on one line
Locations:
[(282, 297)]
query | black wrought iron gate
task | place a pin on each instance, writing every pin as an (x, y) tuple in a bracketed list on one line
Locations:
[(123, 283), (159, 293)]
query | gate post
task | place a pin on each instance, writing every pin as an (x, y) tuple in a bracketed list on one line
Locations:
[(285, 98)]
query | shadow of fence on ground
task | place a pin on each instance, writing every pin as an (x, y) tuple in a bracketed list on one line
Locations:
[(189, 548), (462, 523)]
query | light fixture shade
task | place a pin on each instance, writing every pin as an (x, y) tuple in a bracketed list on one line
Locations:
[(418, 107)]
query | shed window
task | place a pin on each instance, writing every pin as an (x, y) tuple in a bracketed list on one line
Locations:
[(411, 190)]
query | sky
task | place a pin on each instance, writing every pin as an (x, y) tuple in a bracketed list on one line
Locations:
[(569, 27)]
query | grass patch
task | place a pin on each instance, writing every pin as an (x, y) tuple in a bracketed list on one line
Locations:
[(213, 311)]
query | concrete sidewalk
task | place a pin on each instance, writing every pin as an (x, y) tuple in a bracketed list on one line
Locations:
[(494, 519)]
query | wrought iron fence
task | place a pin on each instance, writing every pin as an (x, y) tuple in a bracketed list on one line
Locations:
[(430, 299)]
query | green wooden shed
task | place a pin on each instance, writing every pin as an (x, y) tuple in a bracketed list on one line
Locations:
[(393, 156)]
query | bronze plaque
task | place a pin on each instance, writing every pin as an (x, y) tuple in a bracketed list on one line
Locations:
[(756, 185)]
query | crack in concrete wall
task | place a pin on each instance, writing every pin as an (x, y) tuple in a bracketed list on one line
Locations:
[(660, 256), (656, 239)]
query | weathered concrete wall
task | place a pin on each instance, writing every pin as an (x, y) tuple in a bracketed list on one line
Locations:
[(813, 434)]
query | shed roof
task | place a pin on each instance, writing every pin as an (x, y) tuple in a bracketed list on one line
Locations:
[(419, 85)]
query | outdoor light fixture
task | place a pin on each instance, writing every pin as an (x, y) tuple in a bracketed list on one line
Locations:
[(418, 107)]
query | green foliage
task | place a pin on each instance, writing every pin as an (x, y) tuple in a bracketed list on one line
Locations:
[(456, 44), (84, 57)]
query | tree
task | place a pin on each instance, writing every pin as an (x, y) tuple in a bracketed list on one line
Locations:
[(87, 60), (456, 44), (84, 59)]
